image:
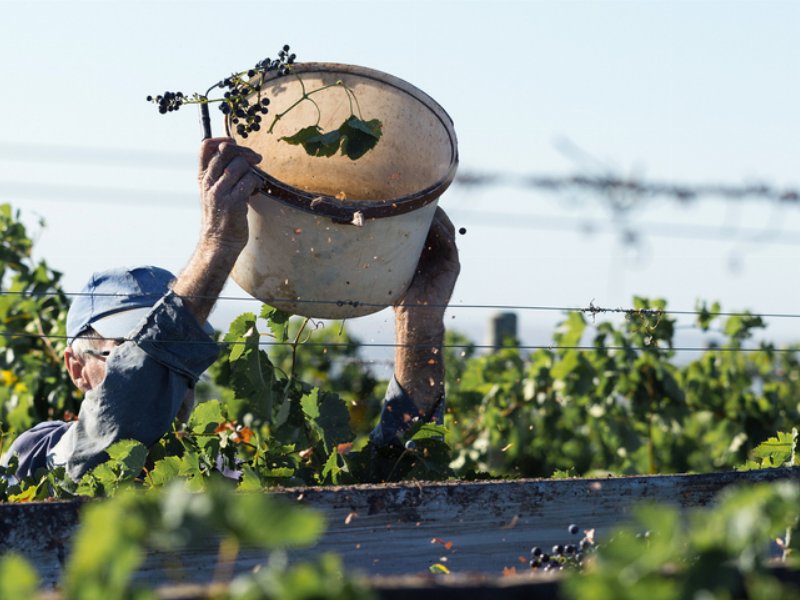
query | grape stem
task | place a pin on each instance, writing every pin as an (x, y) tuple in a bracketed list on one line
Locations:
[(204, 99), (307, 96)]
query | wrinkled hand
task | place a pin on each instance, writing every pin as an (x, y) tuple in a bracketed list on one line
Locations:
[(436, 275), (226, 184)]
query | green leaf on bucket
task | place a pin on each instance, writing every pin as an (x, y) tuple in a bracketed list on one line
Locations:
[(359, 137), (314, 141)]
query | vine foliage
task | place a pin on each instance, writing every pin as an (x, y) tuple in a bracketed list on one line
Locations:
[(34, 385), (606, 397)]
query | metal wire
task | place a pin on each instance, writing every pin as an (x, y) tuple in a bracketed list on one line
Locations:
[(591, 309), (611, 184), (579, 347)]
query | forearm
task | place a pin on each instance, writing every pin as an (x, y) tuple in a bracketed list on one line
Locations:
[(203, 278), (226, 184), (417, 390), (419, 361)]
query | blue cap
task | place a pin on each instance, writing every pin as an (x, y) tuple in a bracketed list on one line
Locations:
[(113, 302)]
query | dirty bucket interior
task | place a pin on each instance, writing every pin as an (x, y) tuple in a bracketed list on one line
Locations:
[(417, 149)]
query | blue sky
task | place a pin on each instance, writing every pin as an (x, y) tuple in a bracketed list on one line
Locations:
[(678, 91)]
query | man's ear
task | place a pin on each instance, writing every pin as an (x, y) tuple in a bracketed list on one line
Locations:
[(74, 367)]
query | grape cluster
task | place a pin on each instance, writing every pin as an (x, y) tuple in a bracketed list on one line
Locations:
[(245, 116), (241, 101), (236, 99), (563, 556), (168, 101), (279, 64)]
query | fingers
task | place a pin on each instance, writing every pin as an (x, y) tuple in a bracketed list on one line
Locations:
[(248, 184), (442, 221), (441, 242), (208, 149), (217, 157), (232, 174)]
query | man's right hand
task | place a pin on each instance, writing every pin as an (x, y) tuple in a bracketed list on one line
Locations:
[(226, 184)]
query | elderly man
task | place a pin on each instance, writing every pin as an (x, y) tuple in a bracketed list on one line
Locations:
[(139, 338)]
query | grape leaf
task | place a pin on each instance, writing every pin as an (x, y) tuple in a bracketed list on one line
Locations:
[(239, 328), (359, 137), (315, 141), (334, 418), (130, 454), (332, 468), (27, 495), (309, 404), (277, 321), (777, 451), (251, 372), (251, 482), (430, 431), (165, 470), (329, 414), (206, 417)]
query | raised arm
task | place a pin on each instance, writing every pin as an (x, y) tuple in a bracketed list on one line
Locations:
[(419, 318), (226, 184)]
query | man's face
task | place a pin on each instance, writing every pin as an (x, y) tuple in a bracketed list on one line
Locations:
[(89, 371), (95, 363)]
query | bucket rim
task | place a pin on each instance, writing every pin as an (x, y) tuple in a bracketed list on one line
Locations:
[(344, 211)]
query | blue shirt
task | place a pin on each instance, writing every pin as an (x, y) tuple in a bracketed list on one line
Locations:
[(147, 377)]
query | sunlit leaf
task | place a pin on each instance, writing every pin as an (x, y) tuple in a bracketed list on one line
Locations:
[(359, 137), (315, 141)]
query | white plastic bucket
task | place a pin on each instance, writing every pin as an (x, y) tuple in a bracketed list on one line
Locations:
[(332, 237)]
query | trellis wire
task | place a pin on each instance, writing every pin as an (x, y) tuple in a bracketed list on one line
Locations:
[(578, 347), (591, 309), (604, 184)]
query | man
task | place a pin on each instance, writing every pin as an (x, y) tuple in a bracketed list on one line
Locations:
[(138, 343)]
